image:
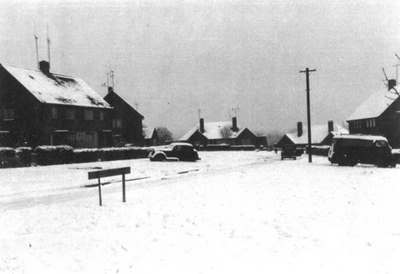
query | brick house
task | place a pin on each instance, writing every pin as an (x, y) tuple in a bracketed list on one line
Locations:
[(127, 123), (224, 132), (321, 135), (379, 114), (38, 107)]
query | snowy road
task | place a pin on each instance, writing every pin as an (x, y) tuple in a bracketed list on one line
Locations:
[(243, 212)]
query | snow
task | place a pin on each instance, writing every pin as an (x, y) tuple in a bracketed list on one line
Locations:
[(374, 106), (58, 89), (231, 212)]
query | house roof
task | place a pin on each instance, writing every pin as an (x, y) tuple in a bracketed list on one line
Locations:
[(57, 89), (374, 106), (212, 130), (318, 134), (148, 132), (112, 96)]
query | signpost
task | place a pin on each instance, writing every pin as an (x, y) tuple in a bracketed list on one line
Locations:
[(108, 173)]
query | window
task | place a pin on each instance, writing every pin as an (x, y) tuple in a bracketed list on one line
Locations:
[(54, 113), (88, 114), (70, 114), (371, 123), (8, 114), (101, 116), (117, 123)]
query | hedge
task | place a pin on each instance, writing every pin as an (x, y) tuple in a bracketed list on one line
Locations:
[(7, 157), (226, 147), (52, 155)]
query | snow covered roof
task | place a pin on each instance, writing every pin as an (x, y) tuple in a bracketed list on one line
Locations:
[(212, 130), (57, 89), (374, 106), (148, 132), (318, 134)]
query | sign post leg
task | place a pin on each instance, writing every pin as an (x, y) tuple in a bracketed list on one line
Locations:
[(100, 201), (123, 188)]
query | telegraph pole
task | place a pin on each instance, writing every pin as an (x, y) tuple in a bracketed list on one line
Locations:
[(307, 72)]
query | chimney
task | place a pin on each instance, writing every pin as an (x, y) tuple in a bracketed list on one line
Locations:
[(391, 83), (110, 90), (234, 124), (44, 66), (299, 129), (201, 125), (330, 126)]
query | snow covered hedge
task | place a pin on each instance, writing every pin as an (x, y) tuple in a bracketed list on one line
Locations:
[(51, 155), (110, 154), (226, 147), (7, 157)]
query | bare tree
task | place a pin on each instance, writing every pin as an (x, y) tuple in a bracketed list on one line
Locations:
[(226, 132), (273, 137), (164, 135)]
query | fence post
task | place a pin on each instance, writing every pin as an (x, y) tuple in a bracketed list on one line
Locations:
[(100, 201), (123, 188)]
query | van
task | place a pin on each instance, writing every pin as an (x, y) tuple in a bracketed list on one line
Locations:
[(349, 150)]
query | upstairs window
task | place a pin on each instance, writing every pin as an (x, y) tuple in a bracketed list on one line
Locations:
[(88, 114), (101, 115), (117, 123)]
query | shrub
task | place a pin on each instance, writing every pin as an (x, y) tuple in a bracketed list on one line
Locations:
[(86, 155), (242, 147), (7, 157), (24, 155), (51, 155)]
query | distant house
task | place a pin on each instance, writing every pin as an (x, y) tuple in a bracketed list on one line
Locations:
[(40, 107), (225, 132), (126, 121), (320, 135), (378, 115), (151, 136)]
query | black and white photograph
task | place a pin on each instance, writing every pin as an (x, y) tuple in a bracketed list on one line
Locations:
[(199, 136)]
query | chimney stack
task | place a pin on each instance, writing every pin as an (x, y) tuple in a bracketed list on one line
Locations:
[(234, 124), (201, 128), (391, 83), (110, 90), (44, 67), (330, 126), (299, 129)]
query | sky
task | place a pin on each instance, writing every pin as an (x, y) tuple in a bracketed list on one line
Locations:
[(174, 57)]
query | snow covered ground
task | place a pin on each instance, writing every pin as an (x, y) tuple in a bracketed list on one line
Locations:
[(231, 212)]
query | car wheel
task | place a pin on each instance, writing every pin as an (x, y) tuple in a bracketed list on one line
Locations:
[(159, 158)]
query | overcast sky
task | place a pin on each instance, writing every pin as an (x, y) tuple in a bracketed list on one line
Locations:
[(173, 57)]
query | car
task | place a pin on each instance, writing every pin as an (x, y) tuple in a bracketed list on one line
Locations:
[(291, 151), (349, 150), (174, 151)]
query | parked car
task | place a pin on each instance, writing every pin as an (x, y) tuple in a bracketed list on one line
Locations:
[(367, 149), (291, 151), (174, 151)]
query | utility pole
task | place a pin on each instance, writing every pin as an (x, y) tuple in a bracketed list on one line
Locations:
[(307, 72)]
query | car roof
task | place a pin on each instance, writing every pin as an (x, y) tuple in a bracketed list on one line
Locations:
[(181, 144), (360, 137)]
